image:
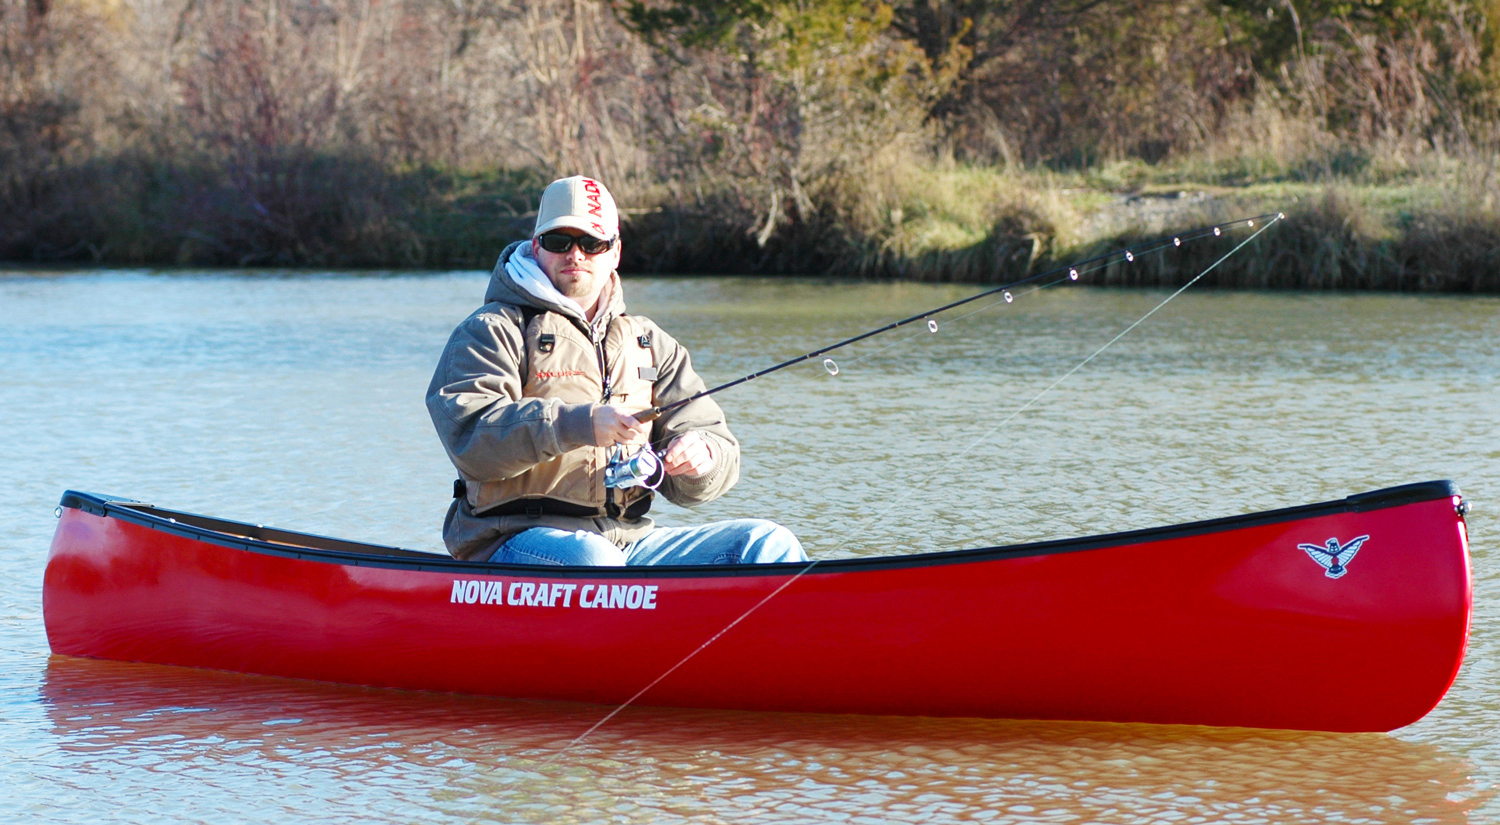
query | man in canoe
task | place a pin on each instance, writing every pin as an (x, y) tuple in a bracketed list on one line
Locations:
[(535, 400)]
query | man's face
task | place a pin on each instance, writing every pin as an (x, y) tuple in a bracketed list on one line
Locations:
[(576, 273)]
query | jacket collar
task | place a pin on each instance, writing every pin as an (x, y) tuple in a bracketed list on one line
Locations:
[(506, 288)]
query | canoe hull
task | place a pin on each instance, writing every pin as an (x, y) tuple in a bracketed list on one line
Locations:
[(1221, 623)]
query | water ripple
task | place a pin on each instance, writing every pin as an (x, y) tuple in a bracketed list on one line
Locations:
[(297, 402)]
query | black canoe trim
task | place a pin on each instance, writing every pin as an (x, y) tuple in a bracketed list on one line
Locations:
[(271, 541)]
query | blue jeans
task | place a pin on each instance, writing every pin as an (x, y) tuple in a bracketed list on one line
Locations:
[(737, 541)]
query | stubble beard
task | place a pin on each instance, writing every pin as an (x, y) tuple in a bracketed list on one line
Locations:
[(579, 285), (584, 285)]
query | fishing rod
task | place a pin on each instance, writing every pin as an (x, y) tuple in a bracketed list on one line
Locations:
[(1072, 271)]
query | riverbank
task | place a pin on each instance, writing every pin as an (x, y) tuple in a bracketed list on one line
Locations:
[(906, 140), (1433, 228)]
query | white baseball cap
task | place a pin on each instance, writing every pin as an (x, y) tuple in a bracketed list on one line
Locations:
[(580, 203)]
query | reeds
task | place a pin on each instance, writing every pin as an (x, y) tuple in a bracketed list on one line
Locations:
[(296, 209), (926, 222), (1434, 229), (1343, 238)]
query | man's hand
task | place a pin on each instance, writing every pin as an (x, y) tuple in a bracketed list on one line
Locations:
[(616, 425), (689, 455)]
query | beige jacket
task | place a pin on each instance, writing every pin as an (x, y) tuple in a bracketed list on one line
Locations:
[(517, 423)]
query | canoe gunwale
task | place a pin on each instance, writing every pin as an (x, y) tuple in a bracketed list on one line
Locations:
[(311, 547)]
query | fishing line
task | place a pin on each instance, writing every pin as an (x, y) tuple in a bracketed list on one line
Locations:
[(1095, 354), (982, 437), (1078, 269), (1072, 272), (1128, 256), (1009, 296), (680, 662), (932, 329)]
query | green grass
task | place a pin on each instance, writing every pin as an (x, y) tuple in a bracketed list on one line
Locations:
[(1433, 228)]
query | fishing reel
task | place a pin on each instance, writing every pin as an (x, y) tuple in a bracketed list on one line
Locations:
[(641, 469)]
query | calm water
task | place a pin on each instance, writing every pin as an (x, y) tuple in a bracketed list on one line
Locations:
[(297, 401)]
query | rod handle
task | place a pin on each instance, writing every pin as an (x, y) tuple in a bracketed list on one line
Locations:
[(647, 416)]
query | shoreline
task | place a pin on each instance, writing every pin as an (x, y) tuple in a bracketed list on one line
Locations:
[(1427, 232)]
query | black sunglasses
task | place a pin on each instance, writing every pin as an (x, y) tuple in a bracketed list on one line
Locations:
[(560, 242)]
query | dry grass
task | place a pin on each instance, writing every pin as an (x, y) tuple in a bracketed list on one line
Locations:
[(1434, 229), (1434, 226)]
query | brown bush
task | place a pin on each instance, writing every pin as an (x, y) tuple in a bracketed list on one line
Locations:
[(413, 132)]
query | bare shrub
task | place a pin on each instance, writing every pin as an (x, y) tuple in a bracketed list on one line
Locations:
[(769, 122), (53, 64), (1075, 83)]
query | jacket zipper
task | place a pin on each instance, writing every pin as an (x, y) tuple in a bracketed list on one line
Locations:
[(611, 507)]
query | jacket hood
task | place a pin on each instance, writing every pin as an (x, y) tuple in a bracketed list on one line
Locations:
[(506, 289)]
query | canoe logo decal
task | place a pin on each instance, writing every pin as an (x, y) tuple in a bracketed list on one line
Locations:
[(1334, 557)]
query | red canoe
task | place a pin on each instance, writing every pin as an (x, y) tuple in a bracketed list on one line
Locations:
[(1350, 615)]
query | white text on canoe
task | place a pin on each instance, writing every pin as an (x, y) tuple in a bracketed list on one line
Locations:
[(544, 594)]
